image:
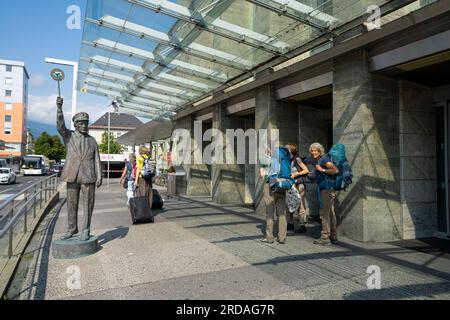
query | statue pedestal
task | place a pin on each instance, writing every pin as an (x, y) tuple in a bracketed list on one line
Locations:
[(74, 248)]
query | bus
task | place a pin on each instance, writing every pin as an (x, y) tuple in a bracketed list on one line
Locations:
[(35, 165)]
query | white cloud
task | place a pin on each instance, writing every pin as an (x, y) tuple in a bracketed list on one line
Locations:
[(42, 109), (37, 80)]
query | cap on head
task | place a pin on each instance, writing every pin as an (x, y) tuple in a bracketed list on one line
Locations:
[(81, 116)]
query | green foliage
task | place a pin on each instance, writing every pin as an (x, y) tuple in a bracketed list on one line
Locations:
[(114, 147), (50, 146)]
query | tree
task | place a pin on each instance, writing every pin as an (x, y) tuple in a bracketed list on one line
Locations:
[(114, 147), (50, 146)]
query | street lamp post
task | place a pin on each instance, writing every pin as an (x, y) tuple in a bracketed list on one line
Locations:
[(74, 82), (116, 110), (109, 137)]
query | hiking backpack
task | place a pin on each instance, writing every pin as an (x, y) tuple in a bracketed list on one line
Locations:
[(280, 171), (343, 179), (148, 170)]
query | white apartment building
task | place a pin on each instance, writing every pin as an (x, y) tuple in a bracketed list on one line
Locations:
[(120, 123)]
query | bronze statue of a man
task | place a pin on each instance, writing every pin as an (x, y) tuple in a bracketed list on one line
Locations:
[(82, 170)]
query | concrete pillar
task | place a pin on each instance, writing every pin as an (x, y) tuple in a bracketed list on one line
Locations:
[(273, 114), (418, 161), (366, 121), (228, 180), (197, 181), (313, 127)]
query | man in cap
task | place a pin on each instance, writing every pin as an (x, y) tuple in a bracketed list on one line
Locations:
[(82, 170)]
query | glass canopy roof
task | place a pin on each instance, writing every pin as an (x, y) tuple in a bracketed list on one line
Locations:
[(155, 56)]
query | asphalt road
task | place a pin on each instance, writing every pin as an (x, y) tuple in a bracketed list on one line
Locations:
[(7, 190)]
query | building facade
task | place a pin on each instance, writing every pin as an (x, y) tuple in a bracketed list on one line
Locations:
[(372, 75), (119, 124), (383, 93), (13, 107)]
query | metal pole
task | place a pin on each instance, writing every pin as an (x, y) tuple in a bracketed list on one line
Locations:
[(40, 195), (25, 216), (10, 244), (109, 133), (34, 202), (74, 91)]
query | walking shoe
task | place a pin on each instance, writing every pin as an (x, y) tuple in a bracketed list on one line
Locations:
[(281, 241), (290, 227), (301, 229), (265, 240), (322, 242), (334, 241)]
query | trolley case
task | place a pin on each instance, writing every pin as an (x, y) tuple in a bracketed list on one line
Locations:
[(140, 211)]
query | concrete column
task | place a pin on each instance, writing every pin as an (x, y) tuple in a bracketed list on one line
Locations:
[(197, 181), (313, 127), (418, 161), (273, 114), (366, 121), (228, 180)]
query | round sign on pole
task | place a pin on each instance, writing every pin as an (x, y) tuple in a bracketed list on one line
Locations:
[(57, 74)]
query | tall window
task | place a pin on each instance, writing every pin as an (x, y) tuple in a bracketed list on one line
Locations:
[(8, 81), (7, 118), (8, 93), (8, 68), (8, 106)]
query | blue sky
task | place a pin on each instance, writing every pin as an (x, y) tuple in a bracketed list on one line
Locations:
[(32, 30)]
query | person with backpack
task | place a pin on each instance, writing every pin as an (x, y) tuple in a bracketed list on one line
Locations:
[(128, 176), (325, 169), (276, 173), (298, 172), (143, 180)]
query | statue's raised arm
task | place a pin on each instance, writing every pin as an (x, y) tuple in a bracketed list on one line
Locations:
[(60, 122)]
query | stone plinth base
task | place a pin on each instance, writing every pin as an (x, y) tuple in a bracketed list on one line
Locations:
[(74, 248)]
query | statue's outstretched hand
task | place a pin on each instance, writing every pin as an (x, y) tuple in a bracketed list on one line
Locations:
[(99, 182), (59, 102)]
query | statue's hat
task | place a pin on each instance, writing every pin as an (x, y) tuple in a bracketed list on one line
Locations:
[(81, 116)]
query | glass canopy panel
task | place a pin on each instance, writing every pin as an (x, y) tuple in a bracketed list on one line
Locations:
[(166, 54)]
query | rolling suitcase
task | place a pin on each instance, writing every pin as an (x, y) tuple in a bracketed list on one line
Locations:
[(140, 211), (157, 202)]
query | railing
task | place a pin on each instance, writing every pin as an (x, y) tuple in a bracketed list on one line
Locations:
[(19, 215)]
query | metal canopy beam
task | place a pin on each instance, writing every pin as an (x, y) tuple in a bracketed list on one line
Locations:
[(108, 75), (142, 110), (105, 84), (299, 12), (178, 65), (217, 27), (138, 105), (120, 65), (216, 10), (165, 84), (144, 95), (201, 52), (138, 113)]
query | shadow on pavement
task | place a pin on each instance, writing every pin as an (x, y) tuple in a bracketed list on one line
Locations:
[(401, 292), (117, 233)]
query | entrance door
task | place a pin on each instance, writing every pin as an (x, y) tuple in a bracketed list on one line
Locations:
[(443, 166)]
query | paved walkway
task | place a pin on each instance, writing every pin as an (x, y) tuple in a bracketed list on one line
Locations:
[(199, 250)]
